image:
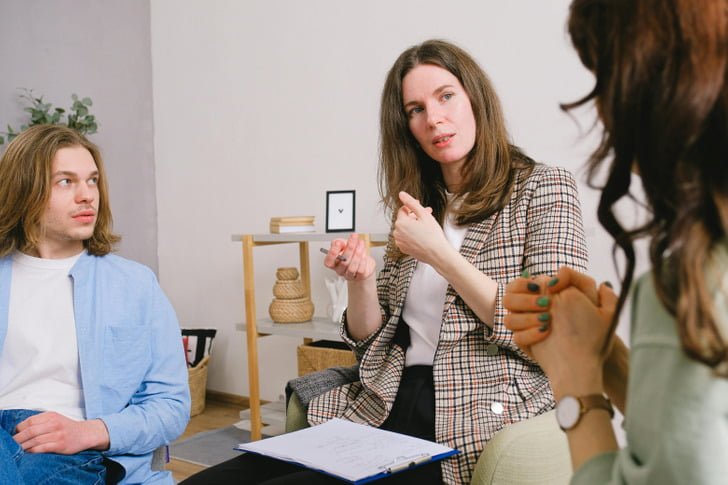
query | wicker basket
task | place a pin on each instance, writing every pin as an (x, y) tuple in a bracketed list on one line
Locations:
[(287, 273), (295, 310), (323, 354), (288, 289), (198, 383)]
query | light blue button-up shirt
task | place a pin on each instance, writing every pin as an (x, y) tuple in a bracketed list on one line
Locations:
[(133, 369)]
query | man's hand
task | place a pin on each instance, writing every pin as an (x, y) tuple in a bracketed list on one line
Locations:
[(51, 432)]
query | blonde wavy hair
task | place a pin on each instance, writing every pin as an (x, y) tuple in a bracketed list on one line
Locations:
[(25, 183)]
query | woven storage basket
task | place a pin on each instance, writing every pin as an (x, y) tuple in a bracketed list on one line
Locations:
[(323, 354), (198, 383), (295, 310), (287, 273), (288, 289)]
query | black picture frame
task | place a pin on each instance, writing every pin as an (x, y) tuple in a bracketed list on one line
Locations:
[(340, 210)]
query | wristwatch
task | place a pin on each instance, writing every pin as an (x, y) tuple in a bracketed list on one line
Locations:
[(570, 409)]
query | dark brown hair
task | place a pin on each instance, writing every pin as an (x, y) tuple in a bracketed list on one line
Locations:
[(492, 165), (661, 92), (25, 180)]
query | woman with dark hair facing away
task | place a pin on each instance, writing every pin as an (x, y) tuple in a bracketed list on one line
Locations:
[(661, 92), (470, 211)]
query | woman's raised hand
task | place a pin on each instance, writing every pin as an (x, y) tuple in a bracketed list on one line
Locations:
[(416, 232), (350, 259)]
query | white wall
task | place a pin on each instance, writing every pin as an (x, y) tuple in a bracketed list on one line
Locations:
[(262, 106)]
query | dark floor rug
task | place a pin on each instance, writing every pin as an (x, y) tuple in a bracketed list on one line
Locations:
[(210, 447)]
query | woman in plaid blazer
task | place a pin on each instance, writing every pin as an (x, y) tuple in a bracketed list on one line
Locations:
[(435, 359), (470, 213)]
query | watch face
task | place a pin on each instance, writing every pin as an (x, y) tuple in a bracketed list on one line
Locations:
[(567, 412)]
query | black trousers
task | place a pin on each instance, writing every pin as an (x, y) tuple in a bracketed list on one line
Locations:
[(413, 414)]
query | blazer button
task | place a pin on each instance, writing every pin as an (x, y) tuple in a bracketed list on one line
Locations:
[(496, 407), (491, 349)]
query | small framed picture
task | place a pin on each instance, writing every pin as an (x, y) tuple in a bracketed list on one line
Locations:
[(340, 209)]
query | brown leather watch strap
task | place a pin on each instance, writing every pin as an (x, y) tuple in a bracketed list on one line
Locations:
[(596, 401)]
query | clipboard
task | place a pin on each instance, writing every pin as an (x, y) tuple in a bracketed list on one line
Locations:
[(349, 451)]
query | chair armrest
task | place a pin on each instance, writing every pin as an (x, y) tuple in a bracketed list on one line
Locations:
[(530, 452), (295, 414), (160, 457)]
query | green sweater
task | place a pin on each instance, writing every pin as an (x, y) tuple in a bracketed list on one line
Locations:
[(677, 410)]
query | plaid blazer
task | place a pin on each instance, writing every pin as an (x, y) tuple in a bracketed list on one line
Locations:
[(482, 381)]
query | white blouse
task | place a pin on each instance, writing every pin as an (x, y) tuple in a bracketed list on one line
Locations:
[(425, 301)]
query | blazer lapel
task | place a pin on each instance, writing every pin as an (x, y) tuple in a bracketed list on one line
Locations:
[(407, 269)]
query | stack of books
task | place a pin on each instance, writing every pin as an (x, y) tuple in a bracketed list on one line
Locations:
[(284, 225)]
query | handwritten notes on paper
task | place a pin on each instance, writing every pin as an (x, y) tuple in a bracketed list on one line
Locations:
[(351, 451)]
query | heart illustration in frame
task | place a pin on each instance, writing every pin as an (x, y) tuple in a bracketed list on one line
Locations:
[(340, 210)]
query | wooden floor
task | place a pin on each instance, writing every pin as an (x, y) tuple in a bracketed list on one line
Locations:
[(216, 415)]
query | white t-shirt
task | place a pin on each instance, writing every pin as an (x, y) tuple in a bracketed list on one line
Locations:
[(39, 366), (425, 302)]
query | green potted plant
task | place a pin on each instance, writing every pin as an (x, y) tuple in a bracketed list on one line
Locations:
[(41, 113)]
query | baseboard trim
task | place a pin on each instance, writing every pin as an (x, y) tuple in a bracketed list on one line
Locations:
[(227, 398)]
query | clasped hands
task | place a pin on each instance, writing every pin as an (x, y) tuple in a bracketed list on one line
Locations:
[(416, 233), (563, 323)]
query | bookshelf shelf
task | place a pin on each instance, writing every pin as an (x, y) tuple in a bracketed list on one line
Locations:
[(254, 327)]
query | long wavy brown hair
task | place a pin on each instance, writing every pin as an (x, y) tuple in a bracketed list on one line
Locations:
[(493, 164), (661, 92), (25, 184)]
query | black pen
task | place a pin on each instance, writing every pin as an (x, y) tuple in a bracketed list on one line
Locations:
[(338, 258)]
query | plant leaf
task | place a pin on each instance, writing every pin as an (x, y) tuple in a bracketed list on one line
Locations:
[(41, 112)]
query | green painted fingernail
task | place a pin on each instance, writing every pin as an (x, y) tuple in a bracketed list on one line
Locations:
[(532, 287), (552, 282), (607, 283), (543, 301), (544, 317), (544, 327), (525, 274)]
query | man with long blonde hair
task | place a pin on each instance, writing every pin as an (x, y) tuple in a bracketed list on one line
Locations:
[(92, 374)]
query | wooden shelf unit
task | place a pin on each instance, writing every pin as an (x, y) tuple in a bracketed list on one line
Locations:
[(318, 328)]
